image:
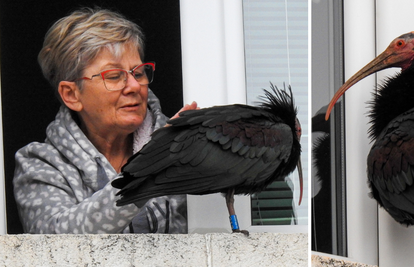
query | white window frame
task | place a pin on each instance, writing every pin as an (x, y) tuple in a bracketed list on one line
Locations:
[(216, 49), (362, 211), (359, 26)]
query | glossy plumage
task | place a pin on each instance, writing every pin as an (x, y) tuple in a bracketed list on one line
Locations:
[(391, 159), (234, 149)]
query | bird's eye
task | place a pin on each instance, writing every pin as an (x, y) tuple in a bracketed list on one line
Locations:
[(400, 43)]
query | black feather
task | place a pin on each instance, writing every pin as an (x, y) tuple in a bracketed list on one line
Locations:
[(211, 150), (394, 97), (391, 158)]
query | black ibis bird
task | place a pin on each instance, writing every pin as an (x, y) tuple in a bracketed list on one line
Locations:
[(233, 149), (391, 158)]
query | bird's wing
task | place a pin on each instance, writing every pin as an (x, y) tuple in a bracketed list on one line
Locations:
[(207, 151), (391, 168)]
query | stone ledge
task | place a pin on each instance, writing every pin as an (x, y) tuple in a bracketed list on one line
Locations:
[(324, 261), (259, 249)]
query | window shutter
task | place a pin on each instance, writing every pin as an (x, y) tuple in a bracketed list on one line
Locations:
[(276, 49), (274, 205)]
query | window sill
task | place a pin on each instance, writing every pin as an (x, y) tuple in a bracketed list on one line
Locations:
[(265, 249), (322, 260)]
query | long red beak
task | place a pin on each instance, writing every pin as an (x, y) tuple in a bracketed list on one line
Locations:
[(299, 166), (398, 54)]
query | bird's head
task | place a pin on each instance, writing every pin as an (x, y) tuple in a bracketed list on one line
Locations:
[(400, 53), (282, 104), (298, 129)]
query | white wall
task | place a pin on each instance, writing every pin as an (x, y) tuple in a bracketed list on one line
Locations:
[(212, 52), (359, 37)]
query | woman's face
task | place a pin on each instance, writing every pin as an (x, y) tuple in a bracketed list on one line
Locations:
[(108, 111)]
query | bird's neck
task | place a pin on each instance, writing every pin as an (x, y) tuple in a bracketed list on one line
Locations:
[(393, 97)]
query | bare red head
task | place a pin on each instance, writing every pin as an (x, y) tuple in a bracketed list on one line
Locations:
[(400, 53)]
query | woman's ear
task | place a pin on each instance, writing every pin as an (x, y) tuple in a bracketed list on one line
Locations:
[(69, 93)]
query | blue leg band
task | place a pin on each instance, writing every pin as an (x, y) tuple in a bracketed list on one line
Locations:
[(234, 223)]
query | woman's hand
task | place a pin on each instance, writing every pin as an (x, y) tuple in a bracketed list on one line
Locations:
[(186, 107)]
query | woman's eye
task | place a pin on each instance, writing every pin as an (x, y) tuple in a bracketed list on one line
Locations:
[(138, 75), (113, 75)]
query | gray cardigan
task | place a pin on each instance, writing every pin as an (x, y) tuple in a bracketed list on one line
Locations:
[(63, 185)]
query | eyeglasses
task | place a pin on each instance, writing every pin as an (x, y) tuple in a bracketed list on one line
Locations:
[(115, 79)]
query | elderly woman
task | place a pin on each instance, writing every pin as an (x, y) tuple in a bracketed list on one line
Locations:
[(94, 60)]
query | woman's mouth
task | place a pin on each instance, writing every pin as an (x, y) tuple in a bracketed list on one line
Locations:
[(130, 106)]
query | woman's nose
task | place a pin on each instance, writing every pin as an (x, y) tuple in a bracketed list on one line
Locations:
[(131, 84)]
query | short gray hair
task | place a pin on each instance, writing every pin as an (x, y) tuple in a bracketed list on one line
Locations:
[(74, 41)]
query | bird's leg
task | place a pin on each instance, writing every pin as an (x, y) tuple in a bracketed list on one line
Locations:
[(233, 218)]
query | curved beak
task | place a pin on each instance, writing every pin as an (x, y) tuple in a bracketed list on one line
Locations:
[(299, 166), (398, 54)]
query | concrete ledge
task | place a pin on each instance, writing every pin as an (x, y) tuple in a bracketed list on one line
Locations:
[(324, 261), (260, 249)]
